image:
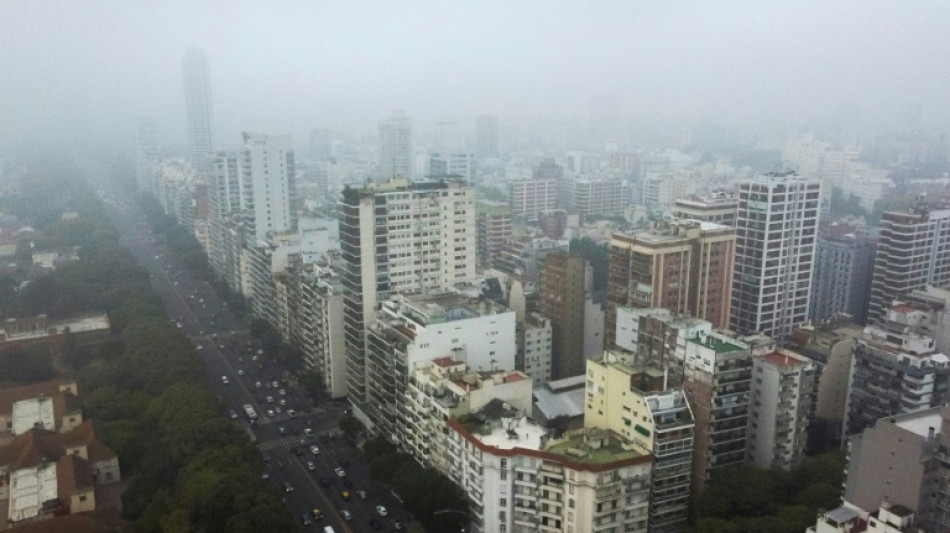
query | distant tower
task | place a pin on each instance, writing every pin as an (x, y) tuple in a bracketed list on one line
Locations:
[(395, 147), (198, 104), (486, 136)]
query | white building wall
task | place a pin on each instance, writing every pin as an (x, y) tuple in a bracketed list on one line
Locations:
[(484, 339)]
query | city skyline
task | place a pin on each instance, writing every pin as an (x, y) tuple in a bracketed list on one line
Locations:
[(485, 59)]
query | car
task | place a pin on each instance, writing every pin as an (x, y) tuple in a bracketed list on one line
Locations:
[(240, 372), (265, 476), (270, 399), (375, 524), (291, 413), (314, 449), (303, 442), (270, 412), (225, 380), (325, 481), (308, 432), (311, 466), (305, 519), (362, 494), (340, 472), (283, 402), (233, 414), (345, 494), (346, 514), (275, 384), (257, 384), (397, 525), (316, 513), (200, 347), (282, 430), (278, 410), (290, 488), (381, 509)]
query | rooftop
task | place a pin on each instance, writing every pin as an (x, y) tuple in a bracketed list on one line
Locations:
[(442, 308), (716, 344), (919, 423), (783, 358)]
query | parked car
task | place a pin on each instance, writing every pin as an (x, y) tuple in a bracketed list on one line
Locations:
[(381, 509)]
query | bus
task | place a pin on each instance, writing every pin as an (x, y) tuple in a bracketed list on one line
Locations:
[(250, 412)]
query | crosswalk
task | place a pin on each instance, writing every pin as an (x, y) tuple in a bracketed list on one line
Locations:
[(291, 441)]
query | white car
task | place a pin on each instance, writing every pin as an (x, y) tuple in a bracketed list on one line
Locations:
[(381, 509), (340, 472), (311, 466), (225, 380), (315, 450)]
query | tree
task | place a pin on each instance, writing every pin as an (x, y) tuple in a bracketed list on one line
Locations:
[(350, 426)]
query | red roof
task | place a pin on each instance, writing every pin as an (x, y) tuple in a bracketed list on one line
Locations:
[(445, 362), (780, 358)]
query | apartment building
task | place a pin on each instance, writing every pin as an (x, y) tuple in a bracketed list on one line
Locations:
[(719, 207), (842, 277), (448, 389), (493, 226), (776, 230), (895, 369), (595, 196), (519, 478), (319, 331), (685, 266), (902, 462), (913, 251), (399, 237), (561, 293), (715, 372), (410, 332), (780, 408), (829, 345), (535, 347), (638, 403), (528, 197)]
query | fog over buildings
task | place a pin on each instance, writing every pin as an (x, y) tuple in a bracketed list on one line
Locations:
[(82, 71)]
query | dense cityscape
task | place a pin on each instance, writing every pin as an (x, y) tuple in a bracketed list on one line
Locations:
[(492, 322)]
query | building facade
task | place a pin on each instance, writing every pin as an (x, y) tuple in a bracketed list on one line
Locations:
[(399, 237), (780, 408), (776, 231), (913, 252), (394, 145), (561, 293), (684, 266), (842, 278)]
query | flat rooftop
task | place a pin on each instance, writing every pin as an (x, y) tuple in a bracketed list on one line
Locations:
[(79, 325), (782, 359), (920, 422), (716, 344)]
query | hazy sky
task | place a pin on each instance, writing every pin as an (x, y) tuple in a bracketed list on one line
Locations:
[(86, 68)]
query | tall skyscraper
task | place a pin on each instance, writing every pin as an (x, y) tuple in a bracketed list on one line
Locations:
[(486, 136), (685, 266), (268, 176), (198, 104), (913, 252), (561, 291), (399, 237), (776, 230), (395, 147)]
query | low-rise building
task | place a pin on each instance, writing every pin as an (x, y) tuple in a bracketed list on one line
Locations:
[(84, 331), (54, 473), (50, 405)]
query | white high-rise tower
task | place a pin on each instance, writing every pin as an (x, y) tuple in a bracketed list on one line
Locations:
[(268, 188), (198, 103), (776, 231)]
